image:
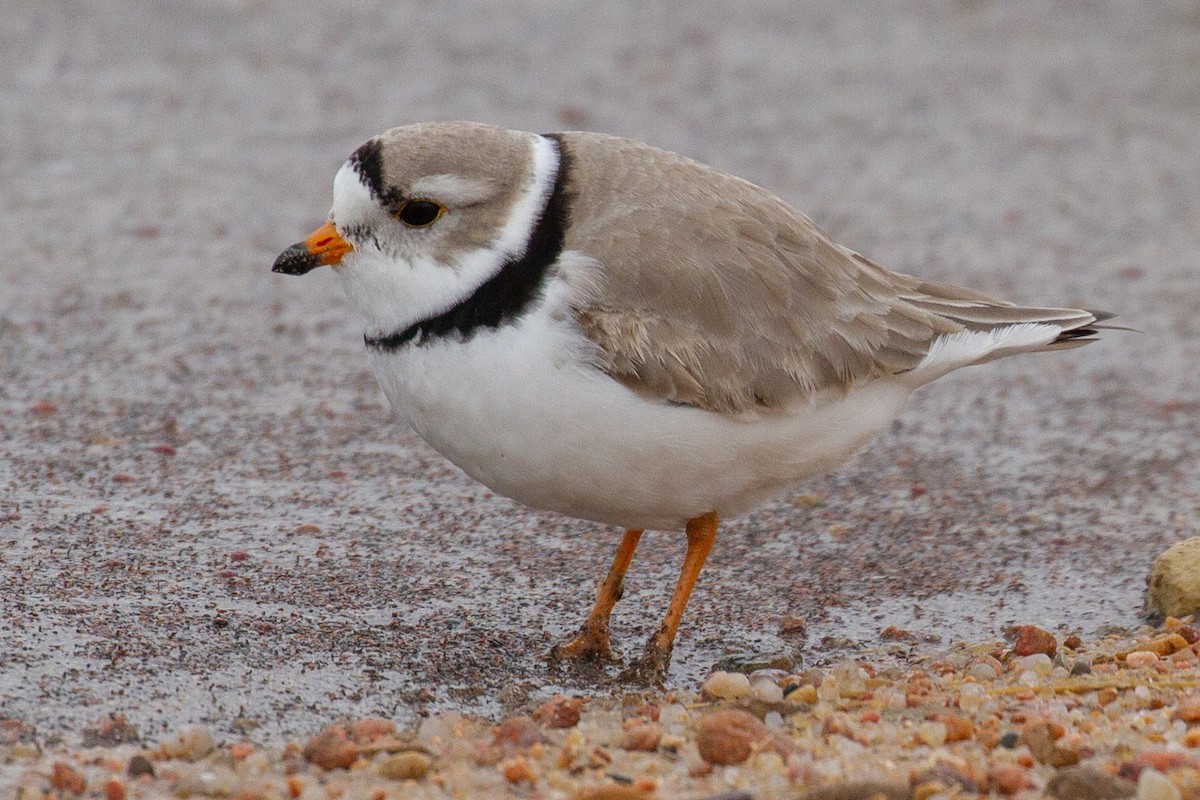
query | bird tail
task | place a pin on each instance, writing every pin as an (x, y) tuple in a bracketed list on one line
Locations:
[(990, 329)]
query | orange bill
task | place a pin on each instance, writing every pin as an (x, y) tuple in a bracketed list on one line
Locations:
[(323, 247)]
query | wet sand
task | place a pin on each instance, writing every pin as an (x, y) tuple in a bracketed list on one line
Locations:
[(208, 517)]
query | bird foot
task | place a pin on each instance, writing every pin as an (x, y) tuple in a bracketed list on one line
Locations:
[(592, 643), (651, 668)]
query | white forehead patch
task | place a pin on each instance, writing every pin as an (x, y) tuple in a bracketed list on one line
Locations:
[(352, 199)]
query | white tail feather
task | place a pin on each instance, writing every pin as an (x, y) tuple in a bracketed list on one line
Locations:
[(964, 348)]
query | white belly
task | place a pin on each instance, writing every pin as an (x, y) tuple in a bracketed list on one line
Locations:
[(517, 412)]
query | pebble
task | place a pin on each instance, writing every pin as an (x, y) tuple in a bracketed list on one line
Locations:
[(642, 736), (726, 685), (1088, 783), (66, 779), (1188, 711), (365, 731), (331, 749), (189, 744), (610, 793), (1140, 659), (1008, 778), (753, 662), (517, 770), (861, 790), (521, 731), (768, 691), (559, 712), (1039, 664), (1153, 785), (932, 733), (727, 736), (806, 694), (1174, 587), (1031, 639), (982, 671), (409, 765)]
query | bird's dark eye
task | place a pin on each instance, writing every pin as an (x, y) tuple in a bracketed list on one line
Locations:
[(419, 213)]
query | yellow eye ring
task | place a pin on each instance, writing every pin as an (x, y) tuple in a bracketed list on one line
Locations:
[(420, 213)]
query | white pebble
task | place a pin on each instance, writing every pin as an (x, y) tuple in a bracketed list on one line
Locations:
[(982, 671), (1040, 663), (932, 733), (768, 691), (190, 744), (1028, 678), (773, 720), (1153, 785), (971, 696), (830, 689), (727, 685)]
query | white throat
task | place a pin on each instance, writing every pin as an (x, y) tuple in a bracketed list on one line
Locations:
[(394, 290)]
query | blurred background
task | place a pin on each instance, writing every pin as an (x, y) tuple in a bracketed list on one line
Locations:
[(206, 513)]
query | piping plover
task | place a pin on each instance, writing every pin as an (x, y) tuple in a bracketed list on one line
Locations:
[(593, 326)]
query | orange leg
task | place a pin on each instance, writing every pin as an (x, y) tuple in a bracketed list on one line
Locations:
[(701, 532), (592, 641)]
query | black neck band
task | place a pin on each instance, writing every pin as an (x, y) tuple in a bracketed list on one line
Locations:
[(508, 293)]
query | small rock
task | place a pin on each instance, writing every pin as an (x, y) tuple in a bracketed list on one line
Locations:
[(331, 749), (860, 790), (1163, 645), (610, 793), (893, 634), (365, 731), (411, 765), (982, 671), (1088, 783), (1141, 659), (767, 690), (946, 776), (932, 733), (1153, 785), (521, 731), (516, 770), (750, 662), (114, 789), (806, 694), (1008, 778), (726, 685), (109, 731), (559, 712), (1039, 664), (1031, 639), (189, 744), (1188, 711), (728, 736), (641, 736), (1174, 586), (139, 766), (66, 779), (1190, 633)]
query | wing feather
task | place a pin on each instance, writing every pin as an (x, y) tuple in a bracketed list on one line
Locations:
[(714, 293)]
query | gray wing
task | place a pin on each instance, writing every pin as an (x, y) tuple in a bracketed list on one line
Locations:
[(716, 294)]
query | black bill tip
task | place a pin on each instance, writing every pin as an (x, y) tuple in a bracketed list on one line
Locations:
[(296, 260)]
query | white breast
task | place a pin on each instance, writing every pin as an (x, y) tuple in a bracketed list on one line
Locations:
[(519, 410)]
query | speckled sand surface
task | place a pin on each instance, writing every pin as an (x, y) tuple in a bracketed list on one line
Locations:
[(206, 515)]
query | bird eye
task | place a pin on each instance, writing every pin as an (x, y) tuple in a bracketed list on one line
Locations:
[(419, 213)]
